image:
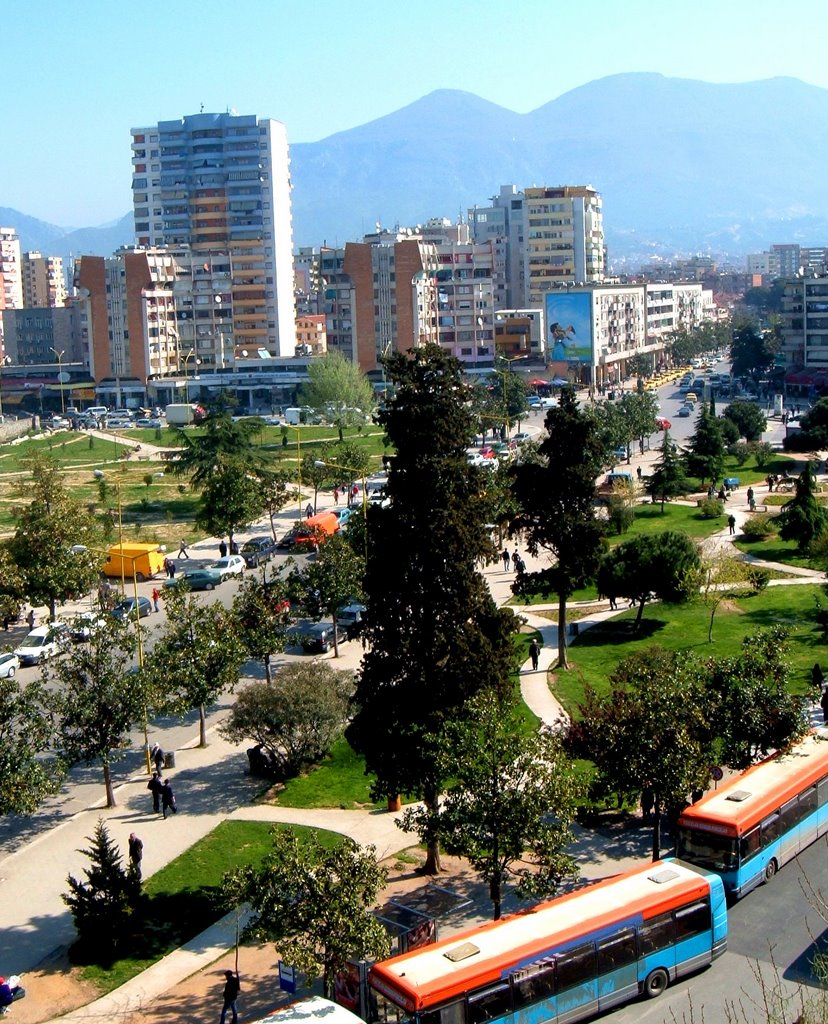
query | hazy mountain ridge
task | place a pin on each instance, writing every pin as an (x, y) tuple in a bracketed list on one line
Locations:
[(682, 164)]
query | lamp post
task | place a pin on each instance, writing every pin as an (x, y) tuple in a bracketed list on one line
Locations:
[(187, 356), (60, 376)]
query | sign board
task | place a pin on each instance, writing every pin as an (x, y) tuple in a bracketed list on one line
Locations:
[(287, 977)]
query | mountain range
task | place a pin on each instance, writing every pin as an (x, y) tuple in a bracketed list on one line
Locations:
[(683, 166)]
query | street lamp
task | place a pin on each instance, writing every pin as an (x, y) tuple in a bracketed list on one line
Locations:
[(60, 376), (187, 357)]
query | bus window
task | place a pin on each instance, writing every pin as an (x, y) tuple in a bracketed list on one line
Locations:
[(770, 829), (707, 849), (450, 1013), (790, 814), (750, 844), (617, 951), (692, 920), (490, 1003), (822, 792), (533, 984), (388, 1012), (576, 966), (808, 802), (655, 934)]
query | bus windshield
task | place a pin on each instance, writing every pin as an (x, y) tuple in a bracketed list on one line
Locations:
[(707, 849)]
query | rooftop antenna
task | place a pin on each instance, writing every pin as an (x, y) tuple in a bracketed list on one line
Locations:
[(201, 111)]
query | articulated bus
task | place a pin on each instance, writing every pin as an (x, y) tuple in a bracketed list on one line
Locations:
[(759, 820), (566, 959)]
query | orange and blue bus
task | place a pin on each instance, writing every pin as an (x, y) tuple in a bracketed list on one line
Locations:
[(570, 958), (760, 819)]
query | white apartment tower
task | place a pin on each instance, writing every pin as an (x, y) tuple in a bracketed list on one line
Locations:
[(563, 239), (219, 184), (11, 278), (43, 281)]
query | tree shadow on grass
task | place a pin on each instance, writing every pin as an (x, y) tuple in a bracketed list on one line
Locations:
[(619, 631)]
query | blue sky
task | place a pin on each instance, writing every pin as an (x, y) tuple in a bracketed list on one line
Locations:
[(79, 75)]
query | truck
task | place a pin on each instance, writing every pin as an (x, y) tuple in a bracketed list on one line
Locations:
[(293, 416), (181, 414), (143, 561)]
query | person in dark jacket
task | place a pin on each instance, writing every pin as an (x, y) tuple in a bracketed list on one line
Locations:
[(232, 987)]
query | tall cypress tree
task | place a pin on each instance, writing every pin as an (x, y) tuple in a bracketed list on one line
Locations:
[(557, 505), (669, 478), (706, 451), (435, 637)]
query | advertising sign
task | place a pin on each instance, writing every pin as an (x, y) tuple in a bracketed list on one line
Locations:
[(569, 327)]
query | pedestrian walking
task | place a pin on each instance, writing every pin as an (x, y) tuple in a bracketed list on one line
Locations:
[(817, 680), (731, 524), (638, 472), (308, 510), (769, 480), (157, 757), (232, 987), (167, 798), (515, 559), (534, 654), (751, 497), (156, 597), (521, 566), (222, 549), (506, 559), (171, 569), (613, 602), (336, 495), (182, 549), (136, 854), (647, 802), (823, 703), (30, 618), (155, 785)]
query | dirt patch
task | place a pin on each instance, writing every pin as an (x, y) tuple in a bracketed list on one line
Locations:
[(56, 987)]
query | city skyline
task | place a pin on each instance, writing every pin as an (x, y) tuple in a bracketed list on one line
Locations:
[(66, 157)]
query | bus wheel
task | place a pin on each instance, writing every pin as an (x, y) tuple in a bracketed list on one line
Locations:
[(770, 869), (655, 983)]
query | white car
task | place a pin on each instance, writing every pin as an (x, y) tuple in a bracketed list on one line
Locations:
[(42, 643), (522, 437), (232, 565), (9, 664), (85, 626)]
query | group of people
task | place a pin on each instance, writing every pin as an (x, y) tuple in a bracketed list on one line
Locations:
[(514, 559), (233, 548), (775, 480), (163, 797)]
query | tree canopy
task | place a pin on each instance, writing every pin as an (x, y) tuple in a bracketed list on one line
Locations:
[(748, 417), (556, 500), (331, 580), (706, 450), (434, 635), (218, 442), (27, 730), (338, 390), (752, 351), (669, 477), (803, 518)]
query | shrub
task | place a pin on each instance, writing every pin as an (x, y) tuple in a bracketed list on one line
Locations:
[(758, 527), (758, 579), (762, 452), (711, 508), (740, 452)]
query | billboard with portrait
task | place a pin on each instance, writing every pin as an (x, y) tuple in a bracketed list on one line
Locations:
[(569, 327)]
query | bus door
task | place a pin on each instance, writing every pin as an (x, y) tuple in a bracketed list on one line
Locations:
[(694, 940), (576, 983), (617, 968)]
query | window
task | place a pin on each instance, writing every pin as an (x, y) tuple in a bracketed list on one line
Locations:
[(576, 966), (770, 829), (452, 1013), (692, 920), (789, 814), (750, 844), (655, 934), (491, 1003), (808, 802), (533, 984), (617, 951)]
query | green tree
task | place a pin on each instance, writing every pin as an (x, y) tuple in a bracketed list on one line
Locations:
[(12, 584), (510, 804), (640, 365), (103, 906), (652, 730), (664, 566), (315, 903), (723, 576), (813, 432), (349, 461), (27, 773), (51, 545), (316, 472), (557, 505), (752, 352), (296, 717), (262, 614), (217, 442), (274, 493), (749, 419), (639, 410), (505, 397), (198, 655), (98, 700), (706, 450), (338, 390), (434, 636), (803, 518), (230, 498), (333, 579), (669, 478)]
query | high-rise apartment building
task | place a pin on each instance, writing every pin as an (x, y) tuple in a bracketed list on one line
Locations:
[(502, 225), (219, 185), (11, 279), (43, 281)]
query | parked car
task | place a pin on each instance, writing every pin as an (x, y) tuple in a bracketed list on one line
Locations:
[(257, 550), (130, 609), (343, 514), (42, 643), (117, 424), (148, 422), (196, 579), (534, 402), (9, 664), (316, 636), (684, 412), (85, 625), (349, 618), (522, 437), (232, 565)]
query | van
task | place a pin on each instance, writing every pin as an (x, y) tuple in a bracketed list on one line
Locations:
[(143, 561), (311, 531)]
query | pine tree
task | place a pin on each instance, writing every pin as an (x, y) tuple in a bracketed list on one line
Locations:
[(706, 452), (434, 635), (669, 479), (103, 905), (803, 519)]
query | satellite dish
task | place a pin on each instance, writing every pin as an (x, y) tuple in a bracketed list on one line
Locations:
[(63, 378)]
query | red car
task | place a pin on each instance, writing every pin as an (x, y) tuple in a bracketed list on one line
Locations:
[(663, 424)]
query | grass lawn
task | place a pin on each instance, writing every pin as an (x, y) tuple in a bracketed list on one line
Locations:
[(183, 897), (597, 651), (774, 549), (68, 448), (750, 473)]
